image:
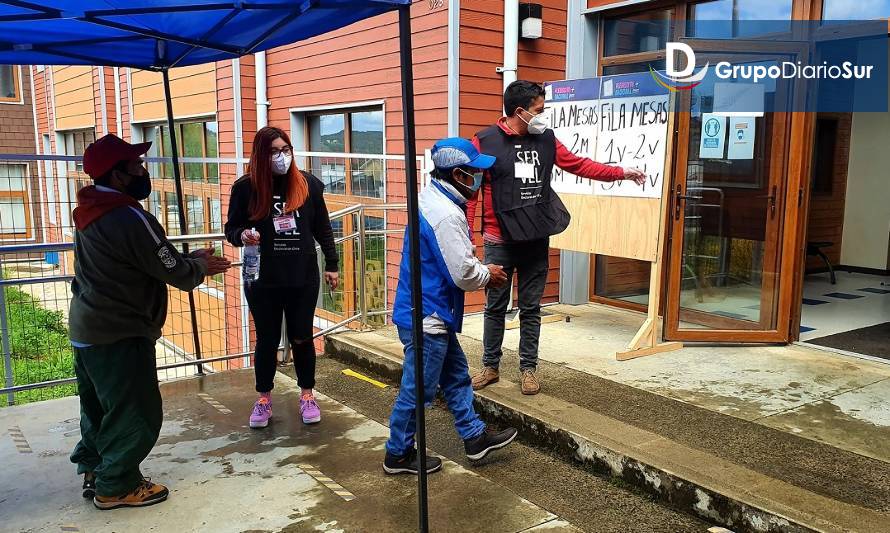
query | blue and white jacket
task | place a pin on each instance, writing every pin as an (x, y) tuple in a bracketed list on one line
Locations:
[(448, 265)]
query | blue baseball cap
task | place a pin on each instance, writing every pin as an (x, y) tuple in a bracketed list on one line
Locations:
[(456, 152)]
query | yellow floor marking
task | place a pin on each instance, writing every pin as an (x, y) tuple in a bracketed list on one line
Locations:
[(362, 377), (335, 487), (215, 404)]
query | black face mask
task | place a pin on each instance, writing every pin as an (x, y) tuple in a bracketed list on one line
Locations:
[(139, 187)]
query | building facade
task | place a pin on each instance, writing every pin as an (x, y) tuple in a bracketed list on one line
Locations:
[(19, 192), (737, 275)]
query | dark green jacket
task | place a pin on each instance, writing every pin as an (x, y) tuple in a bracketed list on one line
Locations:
[(123, 264)]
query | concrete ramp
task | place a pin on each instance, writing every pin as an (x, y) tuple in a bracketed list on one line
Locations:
[(223, 476)]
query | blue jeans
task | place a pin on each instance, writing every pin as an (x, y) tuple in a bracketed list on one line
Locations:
[(444, 365)]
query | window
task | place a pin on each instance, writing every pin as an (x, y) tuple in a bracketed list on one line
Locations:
[(849, 10), (354, 132), (195, 214), (15, 207), (10, 84), (171, 208), (632, 42), (645, 32), (630, 68), (718, 19), (635, 42), (76, 141), (200, 180), (194, 139)]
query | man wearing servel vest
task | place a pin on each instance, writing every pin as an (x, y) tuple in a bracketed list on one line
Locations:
[(520, 211)]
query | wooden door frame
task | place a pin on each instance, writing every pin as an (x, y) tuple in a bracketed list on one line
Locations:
[(787, 212)]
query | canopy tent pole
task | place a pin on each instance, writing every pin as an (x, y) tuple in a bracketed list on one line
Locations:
[(183, 228), (414, 244)]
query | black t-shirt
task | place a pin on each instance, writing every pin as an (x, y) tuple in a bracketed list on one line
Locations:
[(287, 240)]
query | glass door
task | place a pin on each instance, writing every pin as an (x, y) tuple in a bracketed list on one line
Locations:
[(726, 210)]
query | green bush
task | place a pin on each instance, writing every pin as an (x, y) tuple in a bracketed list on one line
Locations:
[(40, 347)]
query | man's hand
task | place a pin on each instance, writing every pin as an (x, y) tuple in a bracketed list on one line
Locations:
[(332, 279), (636, 175), (498, 276), (217, 265), (203, 253), (250, 237)]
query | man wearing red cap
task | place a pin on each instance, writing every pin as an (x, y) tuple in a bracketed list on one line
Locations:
[(123, 264)]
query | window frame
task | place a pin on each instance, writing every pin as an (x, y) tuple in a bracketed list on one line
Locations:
[(25, 194), (164, 184), (348, 196), (336, 201), (205, 190), (19, 98)]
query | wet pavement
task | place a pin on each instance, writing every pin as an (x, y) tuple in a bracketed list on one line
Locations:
[(224, 476)]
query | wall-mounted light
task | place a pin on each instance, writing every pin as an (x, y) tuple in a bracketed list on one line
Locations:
[(531, 23)]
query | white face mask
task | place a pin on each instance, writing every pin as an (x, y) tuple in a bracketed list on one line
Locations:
[(281, 163), (538, 123)]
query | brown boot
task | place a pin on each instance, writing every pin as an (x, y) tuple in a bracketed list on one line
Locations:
[(486, 377), (530, 383), (146, 493)]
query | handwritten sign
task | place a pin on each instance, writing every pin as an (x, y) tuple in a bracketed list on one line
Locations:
[(615, 120)]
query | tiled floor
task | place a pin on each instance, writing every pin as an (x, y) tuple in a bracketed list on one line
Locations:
[(857, 301)]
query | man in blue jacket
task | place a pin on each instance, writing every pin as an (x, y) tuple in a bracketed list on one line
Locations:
[(448, 269)]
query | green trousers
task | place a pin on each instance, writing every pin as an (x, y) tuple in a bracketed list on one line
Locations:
[(120, 412)]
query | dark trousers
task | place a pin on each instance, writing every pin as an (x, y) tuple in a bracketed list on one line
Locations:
[(297, 305), (445, 366), (530, 261), (120, 412)]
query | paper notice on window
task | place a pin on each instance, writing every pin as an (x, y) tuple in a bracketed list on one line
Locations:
[(713, 136), (741, 138)]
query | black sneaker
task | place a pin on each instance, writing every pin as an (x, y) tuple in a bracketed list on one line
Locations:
[(409, 463), (89, 485), (488, 441)]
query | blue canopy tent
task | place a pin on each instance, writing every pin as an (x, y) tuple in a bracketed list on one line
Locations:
[(162, 34)]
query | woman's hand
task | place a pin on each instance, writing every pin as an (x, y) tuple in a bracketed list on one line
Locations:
[(332, 279), (250, 237), (635, 175)]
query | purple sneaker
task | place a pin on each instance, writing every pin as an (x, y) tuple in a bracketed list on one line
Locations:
[(309, 409), (262, 412)]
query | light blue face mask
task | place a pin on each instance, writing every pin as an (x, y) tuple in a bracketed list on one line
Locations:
[(477, 180)]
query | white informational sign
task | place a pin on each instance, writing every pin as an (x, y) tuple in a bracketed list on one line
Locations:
[(620, 121), (741, 138), (633, 134), (576, 126), (713, 136)]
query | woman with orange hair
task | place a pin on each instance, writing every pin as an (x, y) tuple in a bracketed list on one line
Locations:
[(282, 210)]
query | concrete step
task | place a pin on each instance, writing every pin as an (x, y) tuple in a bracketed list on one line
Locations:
[(783, 483)]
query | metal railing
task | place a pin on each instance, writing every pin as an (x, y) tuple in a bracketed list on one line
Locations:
[(358, 236)]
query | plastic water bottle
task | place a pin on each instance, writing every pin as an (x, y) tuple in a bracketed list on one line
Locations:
[(250, 270)]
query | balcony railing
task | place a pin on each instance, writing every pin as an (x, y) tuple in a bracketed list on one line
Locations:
[(36, 273)]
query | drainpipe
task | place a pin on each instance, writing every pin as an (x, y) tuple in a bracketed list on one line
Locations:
[(453, 68), (262, 101), (511, 42), (511, 61)]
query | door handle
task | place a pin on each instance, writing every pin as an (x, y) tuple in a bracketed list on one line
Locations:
[(679, 197), (771, 198)]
